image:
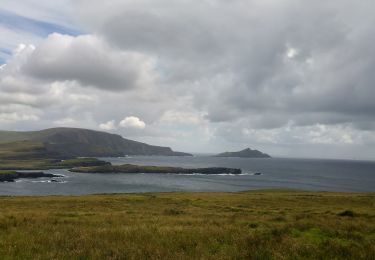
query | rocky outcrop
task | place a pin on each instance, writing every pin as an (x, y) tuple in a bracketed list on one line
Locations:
[(12, 176)]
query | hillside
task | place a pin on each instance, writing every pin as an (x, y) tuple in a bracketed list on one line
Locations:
[(75, 142), (246, 153)]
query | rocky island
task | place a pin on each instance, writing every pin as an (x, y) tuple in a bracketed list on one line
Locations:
[(130, 168), (246, 153)]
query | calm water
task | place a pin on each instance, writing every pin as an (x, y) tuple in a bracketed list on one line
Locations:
[(314, 175)]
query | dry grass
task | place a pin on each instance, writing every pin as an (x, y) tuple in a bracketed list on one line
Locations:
[(248, 225)]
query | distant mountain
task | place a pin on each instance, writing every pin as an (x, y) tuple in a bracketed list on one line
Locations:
[(76, 142), (247, 153)]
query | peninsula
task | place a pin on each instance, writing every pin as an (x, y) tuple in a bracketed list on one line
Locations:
[(63, 143), (67, 148), (130, 168)]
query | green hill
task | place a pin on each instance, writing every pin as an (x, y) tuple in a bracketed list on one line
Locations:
[(74, 142)]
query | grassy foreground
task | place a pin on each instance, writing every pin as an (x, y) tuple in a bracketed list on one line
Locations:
[(247, 225)]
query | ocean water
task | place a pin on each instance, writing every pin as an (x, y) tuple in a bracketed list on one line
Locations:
[(303, 174)]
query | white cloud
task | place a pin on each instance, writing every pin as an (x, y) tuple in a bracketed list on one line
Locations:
[(181, 117), (291, 53), (24, 98), (67, 121), (132, 122), (16, 117), (91, 62), (110, 125)]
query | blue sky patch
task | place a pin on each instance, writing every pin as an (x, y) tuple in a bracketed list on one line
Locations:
[(37, 27), (4, 54), (4, 51)]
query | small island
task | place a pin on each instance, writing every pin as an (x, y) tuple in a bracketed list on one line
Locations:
[(130, 168), (11, 176), (246, 153)]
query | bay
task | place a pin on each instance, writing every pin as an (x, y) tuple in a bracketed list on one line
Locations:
[(276, 173)]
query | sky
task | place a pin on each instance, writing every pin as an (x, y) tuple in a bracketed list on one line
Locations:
[(291, 78)]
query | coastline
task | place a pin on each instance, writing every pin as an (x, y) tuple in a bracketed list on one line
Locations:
[(331, 176)]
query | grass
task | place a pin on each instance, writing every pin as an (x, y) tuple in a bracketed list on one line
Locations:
[(22, 150), (31, 164), (247, 225), (7, 172), (126, 168), (78, 162), (45, 164), (24, 155), (28, 155)]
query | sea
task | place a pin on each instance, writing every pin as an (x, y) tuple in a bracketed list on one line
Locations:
[(257, 174)]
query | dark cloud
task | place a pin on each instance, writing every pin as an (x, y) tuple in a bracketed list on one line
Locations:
[(249, 41)]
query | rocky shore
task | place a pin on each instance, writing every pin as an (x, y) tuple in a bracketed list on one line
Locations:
[(11, 176)]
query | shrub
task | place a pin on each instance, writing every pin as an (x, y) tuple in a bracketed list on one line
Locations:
[(347, 213)]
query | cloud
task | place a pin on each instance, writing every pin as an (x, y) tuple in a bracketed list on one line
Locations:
[(89, 61), (132, 122), (15, 117), (110, 125), (178, 117), (239, 58), (24, 99), (272, 73), (67, 121)]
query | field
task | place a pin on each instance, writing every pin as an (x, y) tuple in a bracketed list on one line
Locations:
[(246, 225)]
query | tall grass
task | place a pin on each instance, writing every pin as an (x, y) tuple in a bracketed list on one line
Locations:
[(248, 225)]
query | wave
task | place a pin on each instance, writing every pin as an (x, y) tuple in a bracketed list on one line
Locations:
[(220, 174), (49, 181)]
